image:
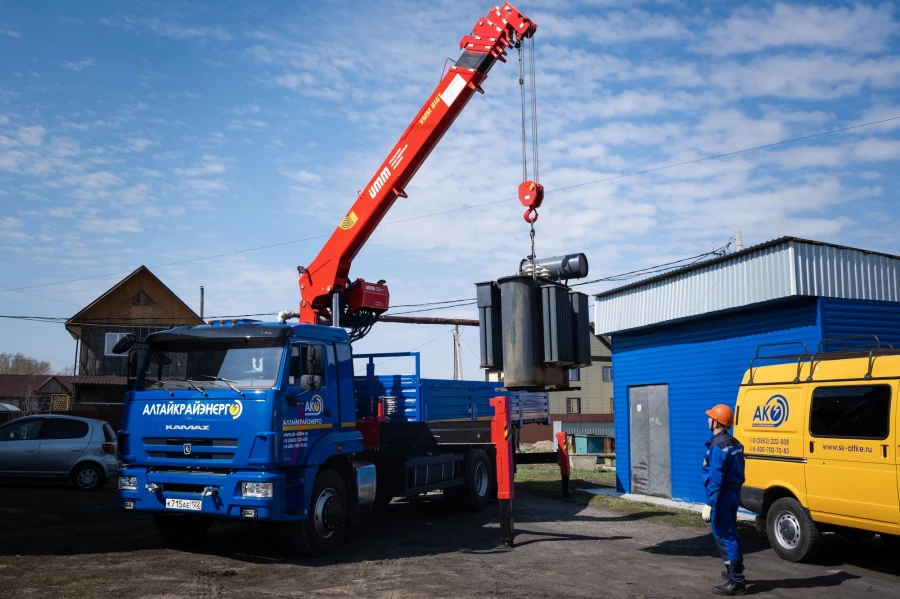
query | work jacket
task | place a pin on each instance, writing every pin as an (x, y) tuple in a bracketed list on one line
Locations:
[(723, 467)]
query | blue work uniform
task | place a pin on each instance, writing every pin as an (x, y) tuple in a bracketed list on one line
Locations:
[(723, 476)]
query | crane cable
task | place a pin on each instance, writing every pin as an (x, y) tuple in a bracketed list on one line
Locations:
[(532, 110)]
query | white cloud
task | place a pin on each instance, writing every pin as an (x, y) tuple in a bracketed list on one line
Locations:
[(98, 181), (9, 32), (109, 226), (301, 176), (79, 65), (875, 150), (612, 28), (139, 144), (136, 194), (808, 156), (31, 136), (8, 222), (211, 165), (813, 77), (169, 29), (858, 29)]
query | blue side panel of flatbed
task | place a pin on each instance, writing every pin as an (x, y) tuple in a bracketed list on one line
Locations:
[(409, 398)]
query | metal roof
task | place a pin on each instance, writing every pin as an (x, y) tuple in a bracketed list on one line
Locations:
[(779, 269)]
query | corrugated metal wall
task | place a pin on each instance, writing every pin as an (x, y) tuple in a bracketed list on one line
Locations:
[(841, 318), (702, 362)]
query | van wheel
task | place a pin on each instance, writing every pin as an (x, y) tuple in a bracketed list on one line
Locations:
[(326, 525), (792, 533), (182, 530), (892, 542), (476, 491)]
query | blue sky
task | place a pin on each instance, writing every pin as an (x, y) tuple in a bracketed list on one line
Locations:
[(153, 133)]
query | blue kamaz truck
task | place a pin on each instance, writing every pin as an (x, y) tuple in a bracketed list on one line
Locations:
[(243, 420)]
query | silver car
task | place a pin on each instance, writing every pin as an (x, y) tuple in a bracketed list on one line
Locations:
[(81, 449)]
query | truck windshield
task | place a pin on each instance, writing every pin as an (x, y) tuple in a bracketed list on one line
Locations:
[(245, 363)]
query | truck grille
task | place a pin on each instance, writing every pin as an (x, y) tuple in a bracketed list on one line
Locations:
[(183, 488), (194, 455), (193, 442), (201, 449)]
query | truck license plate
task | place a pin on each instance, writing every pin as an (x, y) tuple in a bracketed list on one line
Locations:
[(184, 504)]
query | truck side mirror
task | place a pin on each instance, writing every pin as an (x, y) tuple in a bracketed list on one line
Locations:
[(124, 344), (315, 360)]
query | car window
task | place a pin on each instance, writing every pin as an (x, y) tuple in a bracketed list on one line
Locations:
[(108, 433), (25, 430), (851, 412), (63, 428)]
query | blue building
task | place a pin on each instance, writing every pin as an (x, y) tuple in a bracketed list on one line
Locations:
[(682, 341)]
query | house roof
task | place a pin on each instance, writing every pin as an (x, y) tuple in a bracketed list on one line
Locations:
[(99, 312), (778, 269), (18, 386), (100, 379)]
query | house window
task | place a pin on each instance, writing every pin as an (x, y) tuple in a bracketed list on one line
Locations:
[(142, 299), (574, 374), (111, 340), (607, 374), (573, 405)]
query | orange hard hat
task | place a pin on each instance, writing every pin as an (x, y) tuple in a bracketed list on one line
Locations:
[(721, 414)]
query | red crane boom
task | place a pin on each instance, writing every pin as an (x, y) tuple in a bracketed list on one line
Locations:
[(324, 284)]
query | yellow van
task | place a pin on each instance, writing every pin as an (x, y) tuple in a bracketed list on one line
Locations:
[(819, 435)]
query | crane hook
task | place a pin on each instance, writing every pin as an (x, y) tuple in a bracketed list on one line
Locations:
[(531, 216)]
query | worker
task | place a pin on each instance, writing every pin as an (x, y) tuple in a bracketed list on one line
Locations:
[(723, 476)]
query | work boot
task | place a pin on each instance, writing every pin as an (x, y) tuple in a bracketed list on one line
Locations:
[(724, 574), (730, 589)]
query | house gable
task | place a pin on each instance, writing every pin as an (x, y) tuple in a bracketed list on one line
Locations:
[(140, 299)]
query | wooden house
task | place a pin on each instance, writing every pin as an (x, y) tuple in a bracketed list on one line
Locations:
[(139, 304)]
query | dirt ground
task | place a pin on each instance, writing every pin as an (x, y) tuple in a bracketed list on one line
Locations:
[(55, 542)]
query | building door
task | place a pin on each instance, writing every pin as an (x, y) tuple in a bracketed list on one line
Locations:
[(651, 470)]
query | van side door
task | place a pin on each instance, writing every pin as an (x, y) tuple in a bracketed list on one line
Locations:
[(851, 469)]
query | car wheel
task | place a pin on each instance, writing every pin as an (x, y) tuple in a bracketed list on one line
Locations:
[(88, 477), (792, 533), (326, 525), (182, 530)]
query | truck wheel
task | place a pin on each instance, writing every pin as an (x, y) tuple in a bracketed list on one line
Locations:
[(792, 533), (476, 491), (326, 525), (88, 477), (182, 530)]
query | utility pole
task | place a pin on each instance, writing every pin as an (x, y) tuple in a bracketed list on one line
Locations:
[(457, 355), (738, 241)]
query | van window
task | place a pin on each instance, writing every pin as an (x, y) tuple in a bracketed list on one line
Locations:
[(852, 412)]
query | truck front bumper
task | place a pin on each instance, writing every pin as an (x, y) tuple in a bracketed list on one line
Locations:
[(219, 494)]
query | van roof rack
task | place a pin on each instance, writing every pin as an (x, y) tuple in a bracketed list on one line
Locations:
[(820, 355)]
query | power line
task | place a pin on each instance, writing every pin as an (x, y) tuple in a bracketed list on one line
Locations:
[(473, 206), (675, 264)]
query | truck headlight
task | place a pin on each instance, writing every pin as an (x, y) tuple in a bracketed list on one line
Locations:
[(128, 483), (263, 490)]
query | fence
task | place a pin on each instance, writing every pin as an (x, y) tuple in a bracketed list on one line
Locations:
[(109, 412)]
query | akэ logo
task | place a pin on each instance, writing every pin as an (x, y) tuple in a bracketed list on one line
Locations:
[(314, 406), (772, 414)]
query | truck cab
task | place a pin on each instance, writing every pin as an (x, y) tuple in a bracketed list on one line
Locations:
[(243, 420)]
